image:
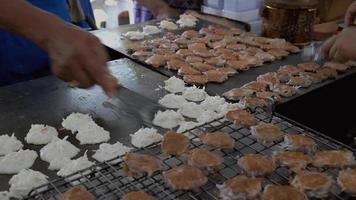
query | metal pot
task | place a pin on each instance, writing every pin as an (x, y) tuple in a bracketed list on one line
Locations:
[(291, 20)]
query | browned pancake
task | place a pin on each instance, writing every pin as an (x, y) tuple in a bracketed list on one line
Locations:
[(136, 164), (174, 143), (185, 177), (219, 140)]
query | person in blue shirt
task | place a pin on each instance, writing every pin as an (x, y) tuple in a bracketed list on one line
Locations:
[(37, 38)]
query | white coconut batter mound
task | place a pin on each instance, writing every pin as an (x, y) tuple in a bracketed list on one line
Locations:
[(92, 134), (186, 20), (4, 195), (134, 35), (57, 149), (191, 110), (58, 162), (165, 24), (194, 94), (88, 132), (75, 165), (110, 151), (226, 107), (26, 180), (14, 162), (41, 134), (213, 103), (167, 119), (172, 101), (144, 137), (75, 121), (9, 144), (151, 30), (174, 85), (208, 116)]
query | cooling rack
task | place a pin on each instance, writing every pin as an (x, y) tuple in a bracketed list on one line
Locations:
[(107, 181)]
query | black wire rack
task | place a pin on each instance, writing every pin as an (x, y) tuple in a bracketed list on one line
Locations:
[(107, 180)]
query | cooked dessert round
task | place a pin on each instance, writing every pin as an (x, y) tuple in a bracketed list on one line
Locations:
[(337, 66), (299, 142), (136, 164), (137, 195), (285, 90), (300, 81), (202, 158), (196, 79), (289, 69), (327, 73), (253, 102), (238, 93), (347, 180), (270, 78), (219, 140), (333, 158), (295, 161), (309, 67), (314, 184), (77, 193), (240, 187), (185, 177), (241, 118), (174, 143), (256, 165), (268, 96), (267, 133), (257, 86), (282, 192)]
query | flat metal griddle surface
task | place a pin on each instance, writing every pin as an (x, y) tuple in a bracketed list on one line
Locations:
[(114, 39), (48, 101)]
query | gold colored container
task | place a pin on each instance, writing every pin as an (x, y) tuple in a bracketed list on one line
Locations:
[(292, 20)]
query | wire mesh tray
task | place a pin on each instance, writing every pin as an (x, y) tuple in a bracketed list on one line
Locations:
[(107, 180)]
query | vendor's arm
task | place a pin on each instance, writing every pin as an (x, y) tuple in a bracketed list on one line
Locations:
[(159, 8), (341, 47), (75, 54)]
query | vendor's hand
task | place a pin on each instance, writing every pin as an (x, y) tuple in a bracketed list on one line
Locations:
[(79, 58), (350, 14), (166, 12), (341, 47)]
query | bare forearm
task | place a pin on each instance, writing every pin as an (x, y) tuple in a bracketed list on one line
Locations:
[(19, 16)]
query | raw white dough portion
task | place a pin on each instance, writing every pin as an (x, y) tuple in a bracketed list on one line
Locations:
[(150, 30), (213, 103), (208, 116), (9, 144), (58, 149), (4, 195), (174, 85), (14, 162), (88, 132), (165, 24), (172, 101), (135, 35), (184, 126), (92, 134), (75, 121), (75, 165), (167, 119), (58, 162), (41, 134), (145, 137), (26, 180), (110, 151), (187, 20), (191, 110), (194, 94)]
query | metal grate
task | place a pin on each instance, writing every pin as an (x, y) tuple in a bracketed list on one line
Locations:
[(107, 181)]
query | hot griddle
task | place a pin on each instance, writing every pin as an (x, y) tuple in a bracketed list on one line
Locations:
[(48, 101)]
